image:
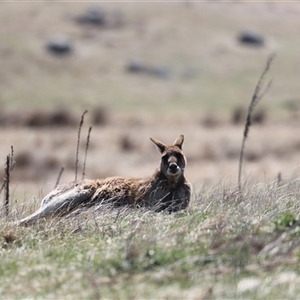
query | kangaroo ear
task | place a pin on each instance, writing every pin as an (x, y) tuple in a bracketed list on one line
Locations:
[(161, 146), (179, 141)]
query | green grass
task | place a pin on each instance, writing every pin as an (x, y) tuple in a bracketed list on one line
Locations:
[(216, 249)]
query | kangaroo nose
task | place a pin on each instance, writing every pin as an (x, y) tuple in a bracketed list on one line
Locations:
[(173, 167)]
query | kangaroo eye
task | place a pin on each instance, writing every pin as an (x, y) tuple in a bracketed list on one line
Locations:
[(180, 159), (165, 157)]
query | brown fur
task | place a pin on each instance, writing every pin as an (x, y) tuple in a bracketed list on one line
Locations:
[(166, 190)]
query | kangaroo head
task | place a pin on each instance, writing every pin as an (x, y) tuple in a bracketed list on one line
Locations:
[(172, 158)]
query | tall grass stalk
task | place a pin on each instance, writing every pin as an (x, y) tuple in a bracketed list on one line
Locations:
[(7, 179), (256, 97), (59, 176), (9, 165), (78, 142), (86, 151)]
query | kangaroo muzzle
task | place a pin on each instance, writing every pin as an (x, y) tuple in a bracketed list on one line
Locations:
[(173, 168)]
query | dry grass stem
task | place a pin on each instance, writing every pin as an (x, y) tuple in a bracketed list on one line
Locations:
[(78, 142), (86, 151), (9, 165), (59, 176), (7, 179), (257, 96)]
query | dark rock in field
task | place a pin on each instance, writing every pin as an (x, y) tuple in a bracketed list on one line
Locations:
[(210, 120), (160, 72), (126, 144), (94, 15), (238, 115), (99, 116), (56, 118), (24, 159), (36, 118), (136, 66), (59, 45), (251, 38), (33, 166), (60, 118), (259, 116)]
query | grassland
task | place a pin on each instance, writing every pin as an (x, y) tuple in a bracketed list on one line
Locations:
[(226, 245), (201, 38)]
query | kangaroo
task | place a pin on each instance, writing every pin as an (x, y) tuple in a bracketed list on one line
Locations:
[(166, 190)]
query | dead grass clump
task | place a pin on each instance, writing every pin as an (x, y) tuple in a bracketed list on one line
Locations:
[(24, 159), (61, 117), (253, 155), (210, 121), (259, 116), (37, 118), (239, 115), (100, 116), (97, 16), (126, 144), (56, 118), (32, 166), (9, 237)]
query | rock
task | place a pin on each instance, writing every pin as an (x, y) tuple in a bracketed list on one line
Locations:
[(136, 66), (238, 115), (59, 45), (94, 15), (251, 38), (160, 72)]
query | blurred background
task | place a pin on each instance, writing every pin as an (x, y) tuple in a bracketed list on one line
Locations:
[(141, 70)]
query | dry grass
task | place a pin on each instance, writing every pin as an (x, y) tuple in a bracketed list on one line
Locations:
[(219, 248), (256, 97), (212, 153), (201, 38), (37, 88)]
